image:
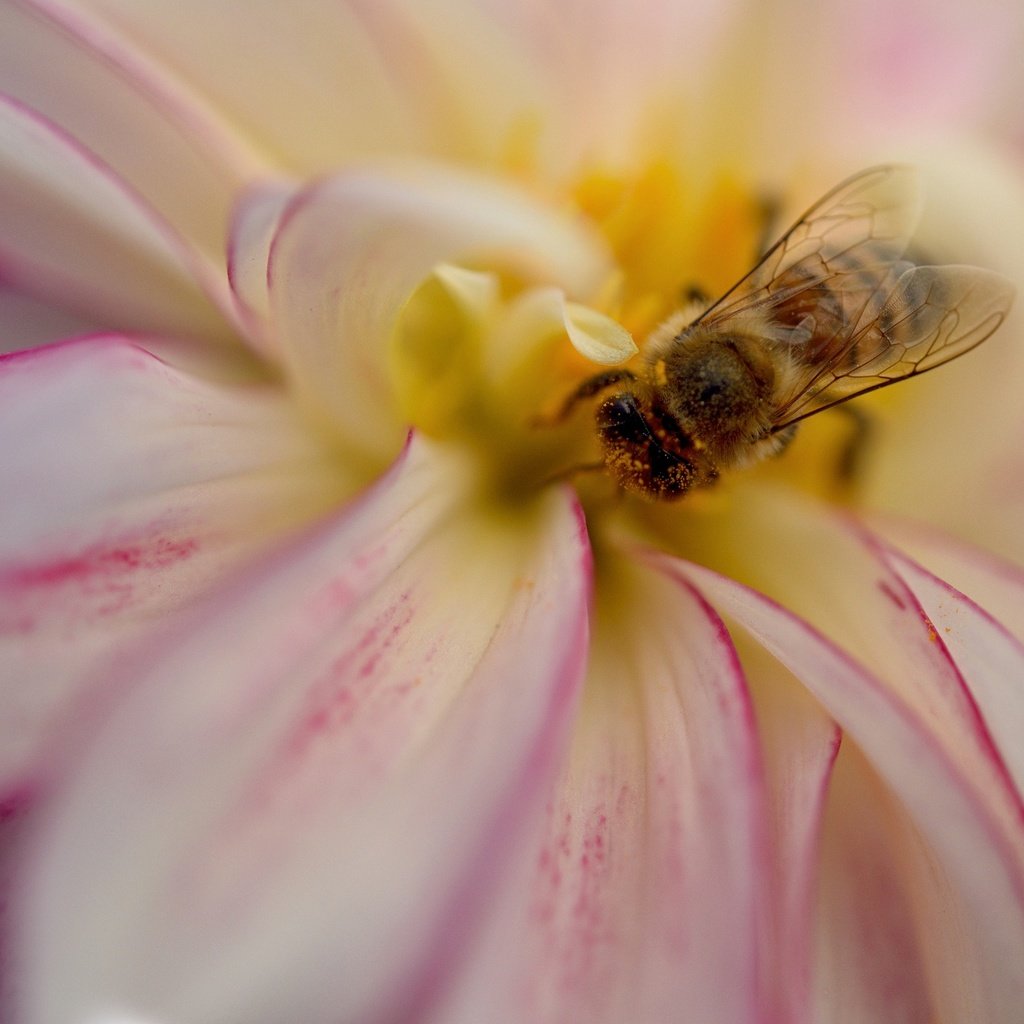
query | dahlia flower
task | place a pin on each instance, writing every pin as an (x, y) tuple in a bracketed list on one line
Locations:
[(337, 687)]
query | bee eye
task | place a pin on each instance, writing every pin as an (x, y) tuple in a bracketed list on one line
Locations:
[(620, 416)]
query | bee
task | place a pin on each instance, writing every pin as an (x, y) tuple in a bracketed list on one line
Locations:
[(833, 310)]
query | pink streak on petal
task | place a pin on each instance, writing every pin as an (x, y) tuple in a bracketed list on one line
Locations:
[(99, 562), (132, 487), (101, 579), (968, 843), (340, 788), (645, 887)]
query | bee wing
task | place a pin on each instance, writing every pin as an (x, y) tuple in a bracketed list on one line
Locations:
[(834, 251), (932, 315)]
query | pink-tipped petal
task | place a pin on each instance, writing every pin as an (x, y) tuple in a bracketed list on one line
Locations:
[(350, 251), (305, 805), (74, 234), (857, 599), (994, 584), (969, 902), (129, 487), (342, 106), (800, 745), (644, 891), (990, 658), (136, 114)]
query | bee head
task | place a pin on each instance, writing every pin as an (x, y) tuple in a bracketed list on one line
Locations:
[(719, 387)]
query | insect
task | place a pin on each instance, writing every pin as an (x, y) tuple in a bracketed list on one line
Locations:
[(832, 311)]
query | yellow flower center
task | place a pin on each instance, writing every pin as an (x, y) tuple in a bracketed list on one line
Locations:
[(484, 363), (670, 235)]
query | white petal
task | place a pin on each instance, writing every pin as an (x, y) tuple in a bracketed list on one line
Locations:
[(74, 234), (800, 746), (870, 962), (150, 125), (335, 760), (969, 878), (989, 657), (313, 86), (26, 322), (645, 888), (853, 595), (603, 65), (131, 487)]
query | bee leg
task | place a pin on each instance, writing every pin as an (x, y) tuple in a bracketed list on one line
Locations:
[(768, 209), (695, 296), (570, 472), (851, 455), (587, 389), (781, 440)]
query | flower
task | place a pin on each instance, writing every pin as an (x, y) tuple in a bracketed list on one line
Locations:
[(310, 716)]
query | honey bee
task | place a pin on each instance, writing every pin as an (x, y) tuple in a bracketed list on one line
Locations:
[(832, 311)]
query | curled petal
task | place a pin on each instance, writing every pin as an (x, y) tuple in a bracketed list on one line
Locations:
[(475, 292), (538, 315), (254, 222), (131, 487), (336, 760), (349, 253)]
